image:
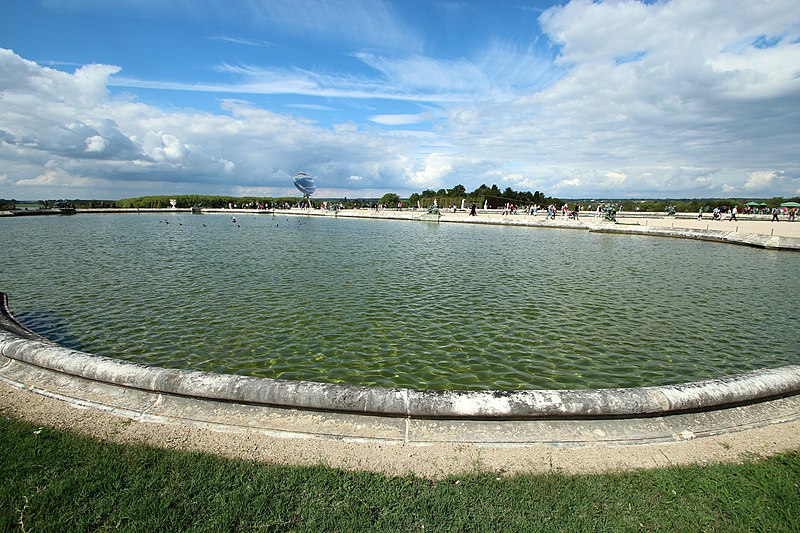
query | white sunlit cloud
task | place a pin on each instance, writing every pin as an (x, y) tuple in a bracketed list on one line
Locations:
[(96, 143), (396, 120), (762, 180), (437, 166), (183, 149), (676, 104)]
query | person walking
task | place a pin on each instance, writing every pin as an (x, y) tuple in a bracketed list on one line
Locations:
[(734, 212), (775, 215)]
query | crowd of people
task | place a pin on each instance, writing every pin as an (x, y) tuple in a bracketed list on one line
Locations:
[(567, 212), (725, 213)]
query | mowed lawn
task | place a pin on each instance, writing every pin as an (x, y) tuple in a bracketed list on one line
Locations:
[(59, 481)]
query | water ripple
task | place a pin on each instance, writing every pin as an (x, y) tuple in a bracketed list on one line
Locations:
[(401, 304)]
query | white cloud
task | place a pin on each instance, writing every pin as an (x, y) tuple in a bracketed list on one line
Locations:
[(616, 179), (437, 167), (570, 183), (312, 107), (396, 120), (96, 143), (61, 179), (164, 147), (129, 145), (520, 182), (681, 100), (762, 180)]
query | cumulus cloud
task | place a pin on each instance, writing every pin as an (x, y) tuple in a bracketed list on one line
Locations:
[(653, 89), (437, 166), (616, 178), (95, 143), (59, 178), (567, 184), (70, 125), (762, 180)]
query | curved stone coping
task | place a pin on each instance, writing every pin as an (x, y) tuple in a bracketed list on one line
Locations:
[(748, 239), (760, 385)]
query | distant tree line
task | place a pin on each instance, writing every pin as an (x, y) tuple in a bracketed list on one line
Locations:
[(694, 205), (199, 200), (492, 197), (219, 202), (495, 198), (483, 195)]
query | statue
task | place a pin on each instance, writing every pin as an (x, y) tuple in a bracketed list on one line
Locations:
[(611, 213)]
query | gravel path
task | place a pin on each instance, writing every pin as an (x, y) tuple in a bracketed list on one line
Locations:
[(433, 461)]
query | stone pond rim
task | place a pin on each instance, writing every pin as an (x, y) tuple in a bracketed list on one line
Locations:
[(19, 344)]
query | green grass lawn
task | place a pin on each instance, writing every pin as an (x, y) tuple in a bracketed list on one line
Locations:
[(57, 481)]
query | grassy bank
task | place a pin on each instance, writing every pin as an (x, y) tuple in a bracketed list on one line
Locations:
[(55, 481)]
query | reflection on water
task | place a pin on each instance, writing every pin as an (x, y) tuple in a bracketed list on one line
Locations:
[(403, 304)]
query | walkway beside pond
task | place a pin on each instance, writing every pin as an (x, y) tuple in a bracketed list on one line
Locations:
[(435, 460), (757, 231)]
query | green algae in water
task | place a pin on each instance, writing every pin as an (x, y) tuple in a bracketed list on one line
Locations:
[(402, 304)]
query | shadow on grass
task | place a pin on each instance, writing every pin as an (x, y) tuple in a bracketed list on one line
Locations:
[(57, 481)]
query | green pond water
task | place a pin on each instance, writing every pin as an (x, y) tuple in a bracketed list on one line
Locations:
[(401, 304)]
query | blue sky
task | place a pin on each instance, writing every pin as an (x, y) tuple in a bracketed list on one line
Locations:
[(680, 98)]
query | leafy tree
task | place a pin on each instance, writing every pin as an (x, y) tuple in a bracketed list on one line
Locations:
[(390, 199), (459, 191)]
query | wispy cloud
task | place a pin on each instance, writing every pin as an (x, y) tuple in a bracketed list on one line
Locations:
[(297, 81), (312, 107), (397, 120), (499, 74), (241, 40), (373, 24)]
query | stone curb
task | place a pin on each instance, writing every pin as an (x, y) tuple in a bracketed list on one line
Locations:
[(748, 239), (18, 343)]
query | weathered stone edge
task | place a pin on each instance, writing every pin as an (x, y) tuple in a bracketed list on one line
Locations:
[(750, 387), (748, 239)]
